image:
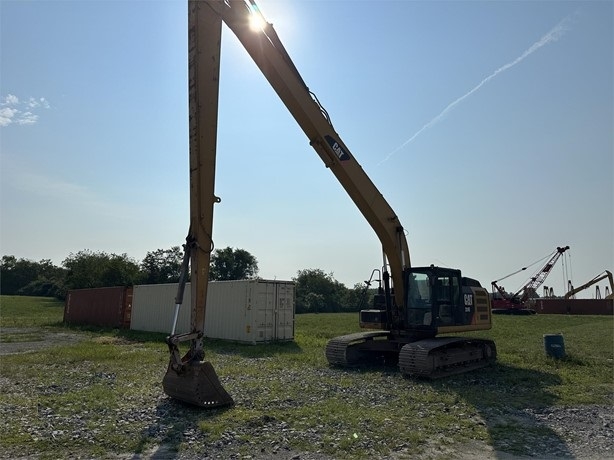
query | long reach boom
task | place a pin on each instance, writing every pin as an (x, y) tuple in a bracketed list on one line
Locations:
[(192, 380)]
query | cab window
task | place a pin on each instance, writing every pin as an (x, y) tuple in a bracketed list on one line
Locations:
[(447, 295), (419, 300)]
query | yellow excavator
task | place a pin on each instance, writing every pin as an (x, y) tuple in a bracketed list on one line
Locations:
[(414, 305)]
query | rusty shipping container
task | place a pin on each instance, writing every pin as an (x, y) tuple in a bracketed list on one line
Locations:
[(105, 307), (248, 311), (575, 306)]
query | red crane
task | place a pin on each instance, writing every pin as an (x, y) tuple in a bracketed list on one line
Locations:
[(514, 304)]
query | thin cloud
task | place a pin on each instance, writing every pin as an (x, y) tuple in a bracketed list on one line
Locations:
[(552, 36), (63, 193), (13, 111), (6, 115), (11, 99), (40, 102), (27, 118), (47, 186)]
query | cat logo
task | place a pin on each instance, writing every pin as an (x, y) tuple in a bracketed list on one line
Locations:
[(341, 154)]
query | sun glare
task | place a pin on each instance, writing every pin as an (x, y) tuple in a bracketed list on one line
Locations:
[(256, 21)]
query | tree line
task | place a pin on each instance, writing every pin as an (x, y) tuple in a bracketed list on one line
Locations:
[(316, 291)]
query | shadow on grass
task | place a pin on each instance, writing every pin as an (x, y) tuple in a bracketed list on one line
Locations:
[(223, 347), (252, 351), (176, 423), (507, 399), (56, 324)]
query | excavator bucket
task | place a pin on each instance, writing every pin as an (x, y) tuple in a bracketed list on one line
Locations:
[(196, 384)]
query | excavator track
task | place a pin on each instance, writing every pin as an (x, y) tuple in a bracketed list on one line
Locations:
[(440, 357), (349, 350)]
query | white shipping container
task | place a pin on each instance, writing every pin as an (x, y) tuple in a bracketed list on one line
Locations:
[(153, 308), (249, 311)]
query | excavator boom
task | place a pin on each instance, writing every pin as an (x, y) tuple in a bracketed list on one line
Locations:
[(271, 57), (205, 19)]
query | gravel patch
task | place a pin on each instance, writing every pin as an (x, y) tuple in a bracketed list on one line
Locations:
[(167, 429), (573, 433), (25, 340), (584, 433)]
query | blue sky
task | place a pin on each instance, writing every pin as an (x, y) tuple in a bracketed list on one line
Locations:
[(486, 125)]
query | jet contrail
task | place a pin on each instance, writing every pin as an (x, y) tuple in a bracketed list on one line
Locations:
[(552, 36)]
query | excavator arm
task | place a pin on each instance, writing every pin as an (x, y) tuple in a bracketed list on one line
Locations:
[(189, 378), (269, 54)]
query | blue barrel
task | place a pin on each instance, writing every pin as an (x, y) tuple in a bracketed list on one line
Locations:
[(554, 345)]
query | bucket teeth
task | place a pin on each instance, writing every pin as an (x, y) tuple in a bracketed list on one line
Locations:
[(197, 384)]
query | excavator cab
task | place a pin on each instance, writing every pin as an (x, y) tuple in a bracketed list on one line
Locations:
[(441, 299), (437, 300), (433, 297)]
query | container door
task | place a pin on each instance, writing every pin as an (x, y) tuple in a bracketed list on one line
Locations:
[(284, 321), (127, 309), (265, 312)]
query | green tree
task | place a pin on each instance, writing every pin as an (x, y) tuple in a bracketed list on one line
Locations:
[(360, 297), (162, 266), (317, 291), (88, 269), (49, 282), (232, 264), (121, 270), (314, 303), (16, 273), (26, 277)]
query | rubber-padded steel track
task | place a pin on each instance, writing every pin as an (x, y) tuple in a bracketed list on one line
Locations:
[(441, 357), (346, 349)]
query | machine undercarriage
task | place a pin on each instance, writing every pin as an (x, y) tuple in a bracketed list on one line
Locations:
[(433, 358)]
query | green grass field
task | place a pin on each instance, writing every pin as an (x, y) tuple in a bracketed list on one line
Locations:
[(18, 311), (102, 396)]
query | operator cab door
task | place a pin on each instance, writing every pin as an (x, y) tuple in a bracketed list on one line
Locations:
[(419, 301), (447, 305)]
